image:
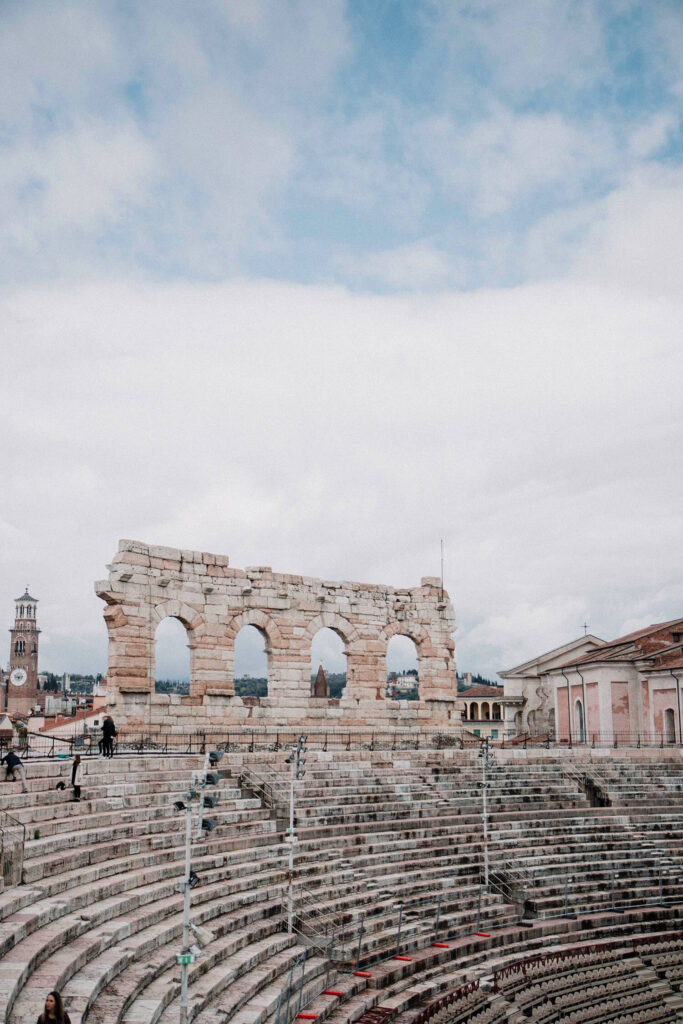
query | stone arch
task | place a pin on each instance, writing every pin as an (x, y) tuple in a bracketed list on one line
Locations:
[(358, 668), (190, 617), (171, 653), (331, 620), (426, 655), (496, 715), (414, 631), (264, 623)]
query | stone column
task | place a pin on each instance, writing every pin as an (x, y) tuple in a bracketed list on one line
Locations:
[(131, 642), (366, 675)]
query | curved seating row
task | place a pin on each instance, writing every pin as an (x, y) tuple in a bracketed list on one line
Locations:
[(382, 838)]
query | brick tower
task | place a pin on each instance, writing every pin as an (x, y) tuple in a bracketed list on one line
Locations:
[(22, 687)]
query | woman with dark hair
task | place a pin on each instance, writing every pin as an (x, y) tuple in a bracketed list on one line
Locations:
[(76, 777), (54, 1012)]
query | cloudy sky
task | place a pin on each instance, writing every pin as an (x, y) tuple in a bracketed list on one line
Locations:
[(317, 284)]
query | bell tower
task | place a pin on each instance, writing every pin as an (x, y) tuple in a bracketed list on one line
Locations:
[(22, 687)]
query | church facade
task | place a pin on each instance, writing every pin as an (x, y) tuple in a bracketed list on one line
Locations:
[(601, 692)]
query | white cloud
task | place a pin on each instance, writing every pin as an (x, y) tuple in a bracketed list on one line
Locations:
[(78, 180), (650, 136), (636, 243), (507, 158), (414, 266), (342, 435)]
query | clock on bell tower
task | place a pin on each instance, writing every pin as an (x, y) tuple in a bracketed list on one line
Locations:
[(22, 687)]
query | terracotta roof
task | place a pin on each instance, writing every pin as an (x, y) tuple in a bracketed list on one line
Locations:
[(651, 642), (482, 691)]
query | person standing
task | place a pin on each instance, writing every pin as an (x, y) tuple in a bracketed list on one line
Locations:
[(14, 767), (76, 777), (54, 1012), (108, 734)]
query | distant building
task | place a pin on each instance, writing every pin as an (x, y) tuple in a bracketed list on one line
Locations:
[(536, 714), (22, 689), (594, 691), (490, 712), (403, 686)]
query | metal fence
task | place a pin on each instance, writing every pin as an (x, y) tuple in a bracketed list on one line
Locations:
[(88, 743), (12, 844), (249, 740)]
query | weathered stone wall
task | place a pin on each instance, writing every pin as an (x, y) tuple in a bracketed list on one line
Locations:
[(214, 601)]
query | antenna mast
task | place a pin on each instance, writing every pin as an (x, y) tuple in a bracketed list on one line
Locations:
[(442, 569)]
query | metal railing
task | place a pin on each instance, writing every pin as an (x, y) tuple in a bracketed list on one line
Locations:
[(267, 785), (242, 739), (12, 846), (610, 738), (450, 999)]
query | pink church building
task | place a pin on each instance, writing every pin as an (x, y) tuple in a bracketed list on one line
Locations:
[(594, 691)]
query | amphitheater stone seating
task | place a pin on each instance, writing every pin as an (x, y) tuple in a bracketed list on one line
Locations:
[(387, 882)]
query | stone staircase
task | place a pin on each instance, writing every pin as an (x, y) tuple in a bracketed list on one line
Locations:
[(385, 839)]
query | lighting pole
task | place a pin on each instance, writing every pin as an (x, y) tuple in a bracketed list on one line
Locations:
[(185, 957), (189, 951), (486, 755), (296, 761)]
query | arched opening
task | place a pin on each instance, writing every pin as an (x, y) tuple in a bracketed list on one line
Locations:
[(403, 681), (474, 712), (669, 726), (485, 711), (328, 664), (171, 657), (251, 662), (495, 712), (579, 725)]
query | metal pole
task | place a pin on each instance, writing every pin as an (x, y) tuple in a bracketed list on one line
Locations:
[(569, 708), (479, 909), (290, 873), (301, 980), (290, 988), (398, 936), (566, 894), (360, 939), (438, 915), (186, 915), (614, 905), (484, 766), (202, 787)]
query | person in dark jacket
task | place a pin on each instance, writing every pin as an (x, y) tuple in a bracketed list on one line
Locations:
[(108, 734), (14, 768), (54, 1012)]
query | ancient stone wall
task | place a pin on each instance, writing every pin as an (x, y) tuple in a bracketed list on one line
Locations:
[(214, 601)]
